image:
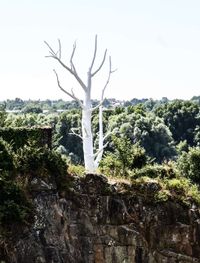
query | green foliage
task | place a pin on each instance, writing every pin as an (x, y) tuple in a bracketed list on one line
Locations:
[(177, 185), (182, 146), (17, 169), (3, 115), (163, 128), (162, 196), (14, 205), (189, 164), (110, 166), (32, 109), (40, 162), (146, 129), (77, 170), (6, 156), (161, 186), (19, 136), (183, 189), (182, 118), (167, 170), (152, 134), (71, 143), (125, 157)]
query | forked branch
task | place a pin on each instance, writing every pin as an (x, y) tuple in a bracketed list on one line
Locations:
[(100, 150), (94, 55), (72, 70), (93, 60), (105, 86), (71, 59), (76, 134), (101, 65), (108, 79), (72, 95)]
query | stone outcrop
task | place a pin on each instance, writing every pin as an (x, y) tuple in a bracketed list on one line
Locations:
[(97, 221)]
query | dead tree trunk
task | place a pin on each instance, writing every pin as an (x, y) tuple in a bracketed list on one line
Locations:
[(91, 159)]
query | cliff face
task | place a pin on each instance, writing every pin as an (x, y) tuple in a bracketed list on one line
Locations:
[(96, 221)]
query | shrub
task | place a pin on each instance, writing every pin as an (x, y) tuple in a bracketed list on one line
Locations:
[(19, 136), (78, 170), (138, 156), (125, 156), (41, 162), (111, 166), (153, 171), (6, 156), (183, 189), (177, 185), (14, 205), (189, 164)]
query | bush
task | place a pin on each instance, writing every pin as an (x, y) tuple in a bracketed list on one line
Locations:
[(138, 156), (18, 137), (183, 189), (14, 205), (78, 170), (189, 164), (6, 156), (41, 162), (153, 171), (177, 185), (111, 166), (31, 158), (125, 157)]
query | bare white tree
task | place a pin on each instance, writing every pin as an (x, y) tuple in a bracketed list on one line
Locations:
[(91, 159)]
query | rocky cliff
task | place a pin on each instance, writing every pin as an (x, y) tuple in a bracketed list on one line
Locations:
[(98, 221)]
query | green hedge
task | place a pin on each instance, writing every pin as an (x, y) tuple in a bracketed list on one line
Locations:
[(18, 137)]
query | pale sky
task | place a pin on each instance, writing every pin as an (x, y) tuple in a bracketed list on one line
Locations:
[(154, 44)]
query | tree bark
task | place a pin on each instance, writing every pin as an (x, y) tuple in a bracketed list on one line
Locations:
[(87, 131)]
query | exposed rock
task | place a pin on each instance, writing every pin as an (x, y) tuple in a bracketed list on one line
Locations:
[(113, 223)]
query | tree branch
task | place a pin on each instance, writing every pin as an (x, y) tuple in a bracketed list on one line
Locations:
[(107, 134), (107, 82), (59, 51), (108, 79), (74, 133), (71, 59), (104, 58), (98, 105), (95, 52), (68, 93), (100, 150), (72, 70), (51, 51)]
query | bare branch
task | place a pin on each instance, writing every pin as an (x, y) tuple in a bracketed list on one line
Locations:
[(95, 52), (98, 105), (68, 93), (107, 135), (59, 51), (54, 55), (100, 150), (71, 59), (104, 58), (77, 99), (108, 79), (76, 134), (51, 51)]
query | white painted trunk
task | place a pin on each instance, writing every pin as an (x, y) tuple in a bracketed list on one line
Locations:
[(100, 151), (87, 135), (90, 162)]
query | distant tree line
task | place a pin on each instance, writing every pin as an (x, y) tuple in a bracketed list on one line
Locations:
[(163, 128), (18, 104)]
